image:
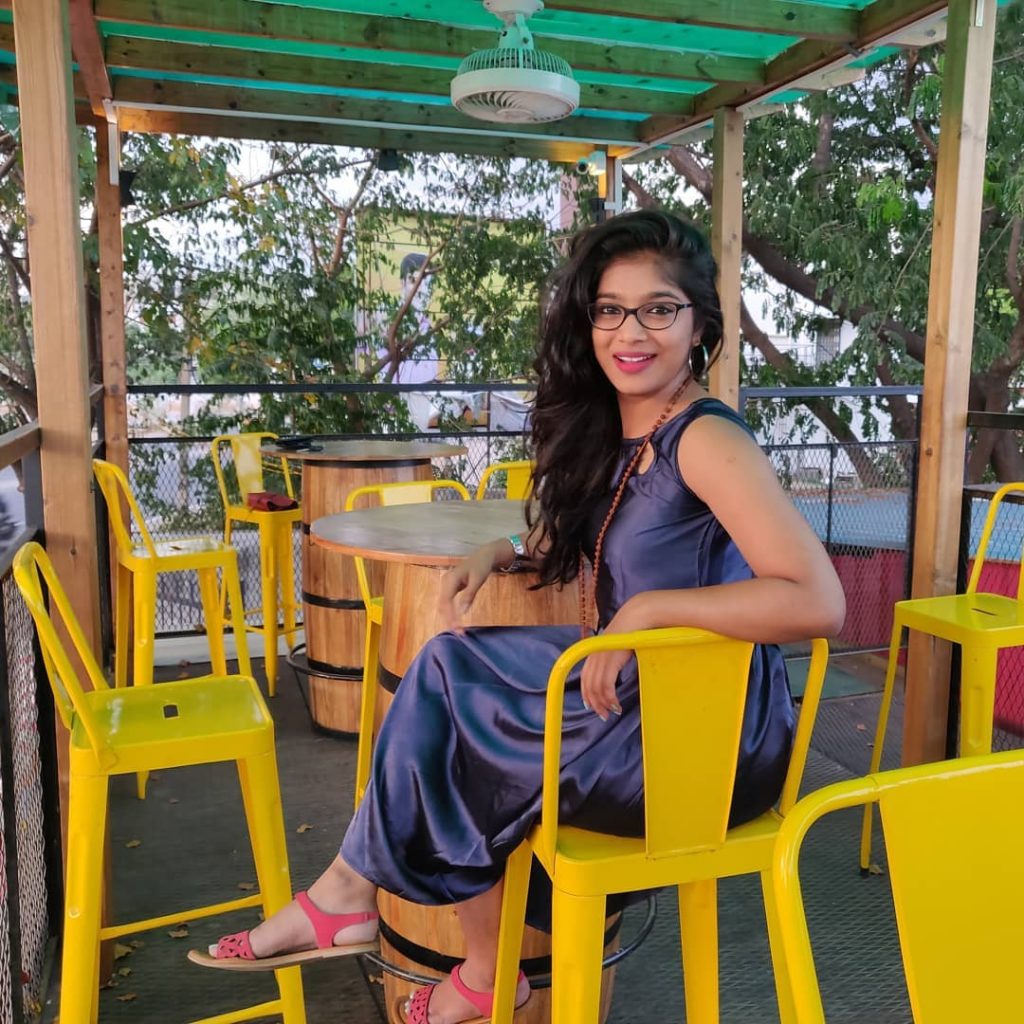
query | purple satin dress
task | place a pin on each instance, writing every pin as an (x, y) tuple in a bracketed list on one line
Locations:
[(456, 779)]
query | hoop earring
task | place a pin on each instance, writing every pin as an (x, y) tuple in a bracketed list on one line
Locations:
[(698, 359)]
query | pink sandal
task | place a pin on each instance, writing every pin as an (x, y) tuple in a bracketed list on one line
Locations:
[(483, 1002), (234, 952)]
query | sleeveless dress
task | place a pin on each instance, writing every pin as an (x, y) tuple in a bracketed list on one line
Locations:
[(456, 781)]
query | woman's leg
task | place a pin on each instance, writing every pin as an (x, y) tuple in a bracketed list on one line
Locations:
[(339, 890), (479, 918)]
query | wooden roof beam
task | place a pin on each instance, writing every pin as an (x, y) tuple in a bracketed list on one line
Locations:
[(879, 22), (272, 22), (316, 107), (775, 17), (252, 66), (87, 48)]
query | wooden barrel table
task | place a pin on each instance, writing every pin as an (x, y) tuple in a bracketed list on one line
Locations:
[(418, 544), (333, 614)]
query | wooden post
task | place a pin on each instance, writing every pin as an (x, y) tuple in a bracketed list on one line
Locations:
[(58, 310), (951, 297), (111, 267), (727, 245)]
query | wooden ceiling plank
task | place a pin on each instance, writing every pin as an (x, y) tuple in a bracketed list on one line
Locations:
[(318, 107), (87, 48), (221, 62), (773, 17), (805, 58), (330, 28), (340, 135)]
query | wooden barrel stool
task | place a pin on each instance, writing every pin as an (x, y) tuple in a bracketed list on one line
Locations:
[(335, 623)]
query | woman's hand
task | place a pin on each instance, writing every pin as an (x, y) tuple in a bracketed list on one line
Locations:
[(460, 584), (601, 670)]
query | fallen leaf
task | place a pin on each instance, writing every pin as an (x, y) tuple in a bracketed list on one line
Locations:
[(173, 800), (247, 886), (121, 951), (126, 997), (861, 727), (136, 943), (132, 843), (305, 827), (179, 933), (874, 869), (124, 971)]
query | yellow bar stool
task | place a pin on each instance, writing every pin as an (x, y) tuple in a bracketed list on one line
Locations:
[(518, 479), (277, 568), (982, 624), (954, 842), (138, 566), (693, 688), (119, 731), (412, 492)]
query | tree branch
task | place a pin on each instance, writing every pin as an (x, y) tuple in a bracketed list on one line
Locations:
[(344, 215)]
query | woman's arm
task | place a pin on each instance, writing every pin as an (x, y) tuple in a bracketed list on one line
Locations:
[(461, 583), (795, 593)]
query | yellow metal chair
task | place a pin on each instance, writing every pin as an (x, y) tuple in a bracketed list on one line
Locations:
[(277, 569), (954, 839), (120, 731), (693, 689), (982, 624), (413, 492), (138, 566), (518, 479)]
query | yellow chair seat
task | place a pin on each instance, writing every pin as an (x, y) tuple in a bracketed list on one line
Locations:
[(960, 618), (582, 858), (183, 549), (188, 721), (244, 514)]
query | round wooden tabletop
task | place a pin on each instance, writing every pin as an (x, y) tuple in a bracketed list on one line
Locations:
[(368, 451), (430, 533)]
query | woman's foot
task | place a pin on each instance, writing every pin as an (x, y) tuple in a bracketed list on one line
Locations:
[(455, 1001), (337, 917)]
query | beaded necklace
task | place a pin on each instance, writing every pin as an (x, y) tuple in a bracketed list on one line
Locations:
[(619, 491)]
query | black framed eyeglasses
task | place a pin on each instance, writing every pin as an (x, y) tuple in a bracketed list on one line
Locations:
[(655, 316)]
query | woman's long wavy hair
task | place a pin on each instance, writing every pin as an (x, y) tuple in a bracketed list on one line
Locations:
[(576, 428)]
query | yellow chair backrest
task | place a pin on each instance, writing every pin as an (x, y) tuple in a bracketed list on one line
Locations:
[(407, 492), (691, 731), (248, 460), (118, 494), (518, 479), (954, 841), (986, 536), (33, 568)]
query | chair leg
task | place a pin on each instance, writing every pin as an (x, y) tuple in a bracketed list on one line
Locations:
[(286, 579), (83, 900), (978, 667), (577, 943), (122, 624), (261, 795), (510, 933), (783, 985), (883, 720), (233, 586), (212, 620), (144, 625), (368, 707), (698, 926), (268, 598)]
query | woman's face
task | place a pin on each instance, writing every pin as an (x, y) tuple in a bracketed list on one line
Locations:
[(639, 361)]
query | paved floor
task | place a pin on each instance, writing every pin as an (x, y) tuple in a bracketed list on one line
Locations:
[(186, 845)]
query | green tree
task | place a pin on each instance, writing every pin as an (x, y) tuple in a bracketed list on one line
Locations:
[(838, 209)]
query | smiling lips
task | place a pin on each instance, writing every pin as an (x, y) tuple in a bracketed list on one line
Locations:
[(633, 362)]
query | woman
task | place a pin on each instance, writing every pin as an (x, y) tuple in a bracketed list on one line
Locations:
[(668, 495)]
